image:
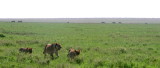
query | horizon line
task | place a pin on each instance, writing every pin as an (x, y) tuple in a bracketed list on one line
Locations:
[(79, 17)]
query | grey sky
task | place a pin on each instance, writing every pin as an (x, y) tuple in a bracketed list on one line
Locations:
[(79, 8)]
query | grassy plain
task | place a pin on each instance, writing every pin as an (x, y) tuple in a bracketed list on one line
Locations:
[(101, 45)]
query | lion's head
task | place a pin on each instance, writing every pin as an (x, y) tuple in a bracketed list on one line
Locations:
[(58, 46)]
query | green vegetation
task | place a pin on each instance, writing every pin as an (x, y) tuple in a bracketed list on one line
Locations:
[(101, 45)]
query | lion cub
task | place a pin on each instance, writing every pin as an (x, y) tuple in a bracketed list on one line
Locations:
[(73, 53)]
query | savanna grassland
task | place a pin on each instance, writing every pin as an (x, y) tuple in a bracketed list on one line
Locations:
[(101, 45)]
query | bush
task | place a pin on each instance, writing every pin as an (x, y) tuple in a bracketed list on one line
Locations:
[(79, 60), (2, 57), (1, 35), (123, 50)]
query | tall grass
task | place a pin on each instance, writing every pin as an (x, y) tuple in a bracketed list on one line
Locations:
[(101, 45)]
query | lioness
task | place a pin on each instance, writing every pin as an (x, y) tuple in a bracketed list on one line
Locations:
[(73, 53), (51, 49), (26, 50)]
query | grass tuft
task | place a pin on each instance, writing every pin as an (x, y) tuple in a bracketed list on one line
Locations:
[(2, 35)]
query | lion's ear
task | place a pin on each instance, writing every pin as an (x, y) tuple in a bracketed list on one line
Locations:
[(78, 50), (70, 49), (57, 46), (56, 43)]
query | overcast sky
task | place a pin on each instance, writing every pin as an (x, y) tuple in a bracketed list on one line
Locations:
[(79, 8)]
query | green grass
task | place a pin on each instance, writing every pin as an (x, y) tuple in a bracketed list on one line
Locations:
[(101, 45)]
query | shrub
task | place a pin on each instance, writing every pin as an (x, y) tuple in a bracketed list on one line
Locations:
[(123, 50), (89, 49), (2, 57), (120, 22), (150, 49), (114, 22), (79, 60), (102, 22), (1, 35)]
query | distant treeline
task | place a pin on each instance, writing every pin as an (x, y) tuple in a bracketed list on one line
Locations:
[(83, 20)]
